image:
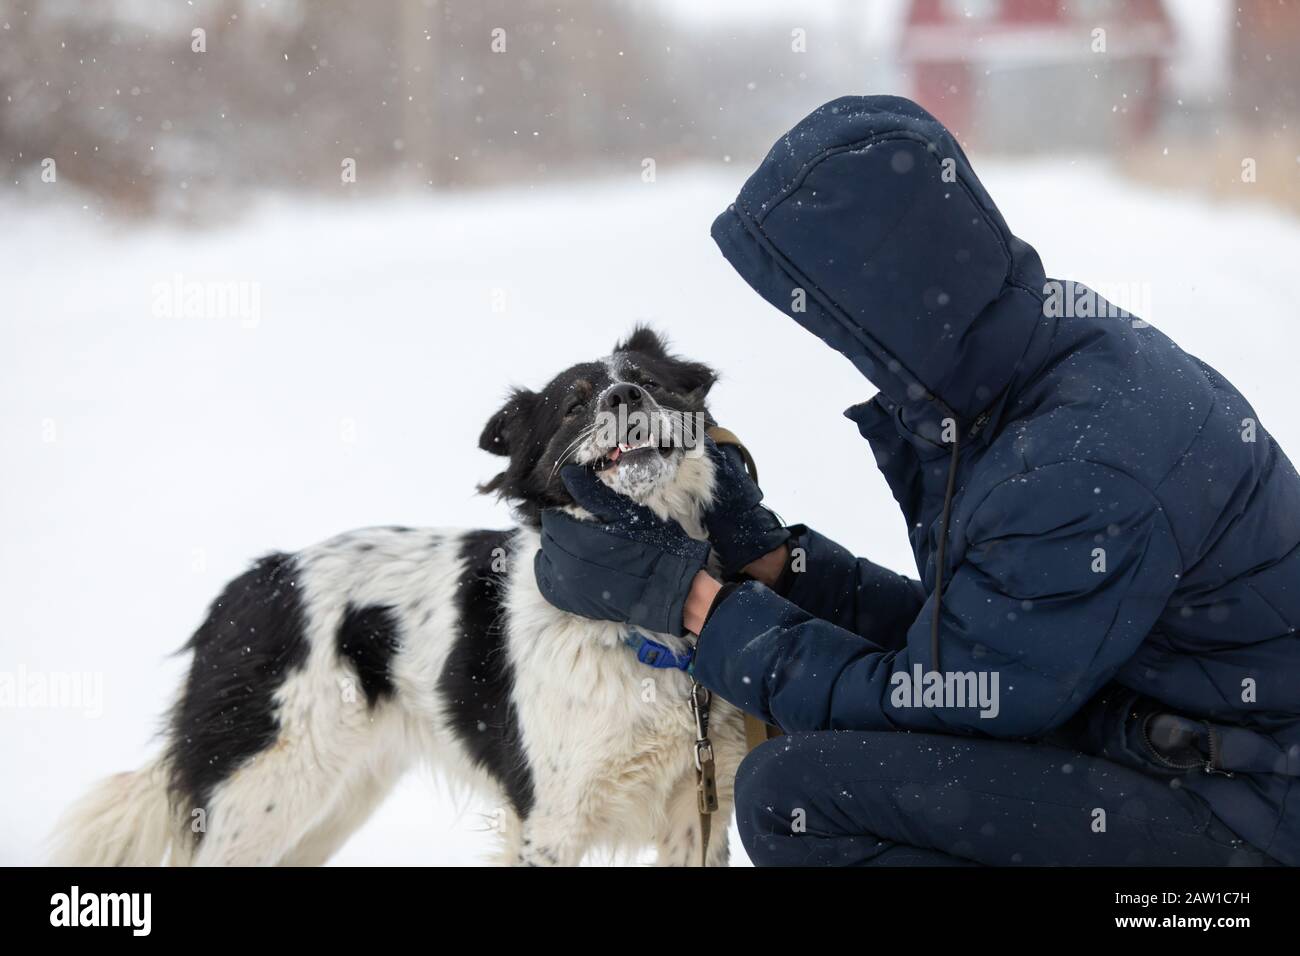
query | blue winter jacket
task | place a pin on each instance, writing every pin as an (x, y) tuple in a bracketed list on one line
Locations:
[(1123, 547)]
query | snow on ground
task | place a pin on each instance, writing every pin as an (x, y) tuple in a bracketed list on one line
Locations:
[(148, 458)]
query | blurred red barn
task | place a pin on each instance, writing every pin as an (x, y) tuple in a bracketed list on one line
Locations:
[(1266, 69), (968, 59)]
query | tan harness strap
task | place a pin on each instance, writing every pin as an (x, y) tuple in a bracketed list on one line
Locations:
[(756, 732), (725, 436)]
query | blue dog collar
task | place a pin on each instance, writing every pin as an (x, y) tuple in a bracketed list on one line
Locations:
[(656, 655)]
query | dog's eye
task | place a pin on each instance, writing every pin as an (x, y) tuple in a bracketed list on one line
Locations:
[(649, 383), (575, 406)]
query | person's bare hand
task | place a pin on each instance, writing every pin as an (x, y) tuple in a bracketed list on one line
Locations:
[(768, 568), (703, 591)]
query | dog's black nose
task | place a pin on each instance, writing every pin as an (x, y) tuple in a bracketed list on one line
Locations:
[(624, 394)]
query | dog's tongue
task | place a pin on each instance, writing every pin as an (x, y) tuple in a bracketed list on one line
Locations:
[(618, 451), (622, 449)]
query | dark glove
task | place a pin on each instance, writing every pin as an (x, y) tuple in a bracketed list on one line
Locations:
[(627, 565), (740, 529)]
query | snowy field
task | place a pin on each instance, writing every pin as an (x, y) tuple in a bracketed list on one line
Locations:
[(147, 458)]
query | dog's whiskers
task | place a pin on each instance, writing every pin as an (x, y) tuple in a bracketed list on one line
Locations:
[(585, 435)]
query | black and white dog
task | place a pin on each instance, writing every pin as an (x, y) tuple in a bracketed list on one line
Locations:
[(320, 677)]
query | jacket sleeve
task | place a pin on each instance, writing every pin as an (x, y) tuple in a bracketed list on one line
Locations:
[(832, 584), (1065, 570)]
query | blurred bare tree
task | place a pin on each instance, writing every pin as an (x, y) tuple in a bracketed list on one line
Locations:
[(149, 116)]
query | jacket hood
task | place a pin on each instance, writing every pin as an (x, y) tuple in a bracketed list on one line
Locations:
[(867, 225)]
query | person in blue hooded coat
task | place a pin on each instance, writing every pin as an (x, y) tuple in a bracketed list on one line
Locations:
[(1099, 662)]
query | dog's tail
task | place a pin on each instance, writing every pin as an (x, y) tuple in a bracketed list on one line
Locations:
[(125, 820)]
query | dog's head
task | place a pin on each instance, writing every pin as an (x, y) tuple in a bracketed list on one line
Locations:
[(636, 416)]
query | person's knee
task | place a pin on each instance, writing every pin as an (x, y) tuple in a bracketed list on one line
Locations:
[(771, 786), (792, 807), (760, 769)]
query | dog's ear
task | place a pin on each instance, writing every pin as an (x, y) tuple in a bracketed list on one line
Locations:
[(505, 425), (503, 434), (697, 378), (644, 340)]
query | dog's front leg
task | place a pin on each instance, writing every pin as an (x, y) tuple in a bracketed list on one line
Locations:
[(678, 842), (550, 839)]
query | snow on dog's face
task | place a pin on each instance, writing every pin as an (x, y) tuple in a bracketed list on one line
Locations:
[(633, 417)]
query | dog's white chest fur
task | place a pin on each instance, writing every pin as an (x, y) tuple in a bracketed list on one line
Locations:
[(590, 711)]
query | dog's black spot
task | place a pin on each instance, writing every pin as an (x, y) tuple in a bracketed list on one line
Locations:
[(477, 679), (369, 637), (399, 529), (365, 546), (252, 639)]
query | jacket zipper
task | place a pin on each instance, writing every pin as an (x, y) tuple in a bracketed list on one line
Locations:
[(1209, 765), (940, 550), (1212, 763)]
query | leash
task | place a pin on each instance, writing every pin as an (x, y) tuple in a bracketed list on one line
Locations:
[(706, 778), (654, 654), (660, 656)]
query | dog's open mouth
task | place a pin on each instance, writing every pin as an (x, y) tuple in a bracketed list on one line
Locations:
[(628, 453)]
